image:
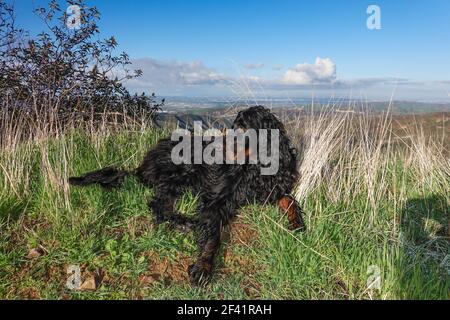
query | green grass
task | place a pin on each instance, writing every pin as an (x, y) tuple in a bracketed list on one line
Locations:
[(405, 235)]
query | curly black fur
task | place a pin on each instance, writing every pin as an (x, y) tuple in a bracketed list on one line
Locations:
[(223, 189)]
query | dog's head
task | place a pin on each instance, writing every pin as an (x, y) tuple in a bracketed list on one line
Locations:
[(248, 123), (257, 117)]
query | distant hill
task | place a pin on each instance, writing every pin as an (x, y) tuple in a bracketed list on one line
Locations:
[(410, 107), (433, 118), (205, 105)]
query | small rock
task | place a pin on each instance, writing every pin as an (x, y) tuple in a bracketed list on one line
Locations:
[(89, 285), (35, 253)]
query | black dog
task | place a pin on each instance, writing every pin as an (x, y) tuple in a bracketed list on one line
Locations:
[(222, 189)]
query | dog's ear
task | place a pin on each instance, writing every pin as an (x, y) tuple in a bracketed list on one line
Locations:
[(294, 212)]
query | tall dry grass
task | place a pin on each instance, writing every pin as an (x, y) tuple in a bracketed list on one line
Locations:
[(37, 144), (351, 153), (354, 154)]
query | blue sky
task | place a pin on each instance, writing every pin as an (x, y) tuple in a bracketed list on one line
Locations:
[(280, 48)]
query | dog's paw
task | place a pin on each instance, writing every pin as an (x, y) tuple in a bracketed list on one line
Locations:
[(297, 227), (199, 273), (183, 228), (184, 225)]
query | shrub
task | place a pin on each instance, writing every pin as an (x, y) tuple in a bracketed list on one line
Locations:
[(66, 70)]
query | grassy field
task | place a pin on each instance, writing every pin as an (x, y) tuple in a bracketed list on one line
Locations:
[(375, 203)]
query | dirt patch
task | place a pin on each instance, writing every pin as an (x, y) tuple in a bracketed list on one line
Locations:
[(26, 225), (31, 270), (235, 262), (239, 235), (161, 270), (242, 234), (29, 294), (165, 270), (174, 271)]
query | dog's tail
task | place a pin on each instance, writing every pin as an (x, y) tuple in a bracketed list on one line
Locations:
[(107, 178)]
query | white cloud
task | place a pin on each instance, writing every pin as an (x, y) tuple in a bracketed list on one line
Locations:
[(176, 77), (322, 71), (174, 73)]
